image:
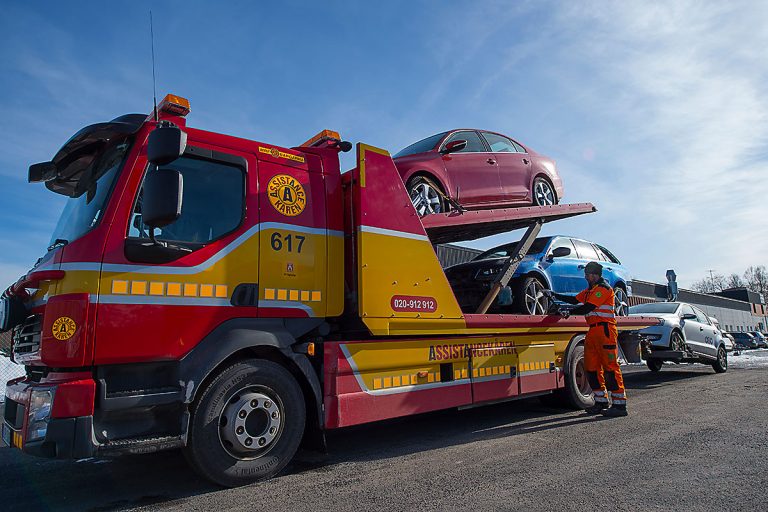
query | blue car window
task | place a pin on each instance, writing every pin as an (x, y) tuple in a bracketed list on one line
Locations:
[(585, 250), (563, 242)]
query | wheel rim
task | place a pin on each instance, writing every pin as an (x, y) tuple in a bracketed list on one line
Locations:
[(677, 342), (535, 301), (722, 359), (620, 302), (543, 193), (251, 423), (582, 383), (425, 199)]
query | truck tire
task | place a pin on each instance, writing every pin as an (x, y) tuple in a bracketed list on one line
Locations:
[(654, 364), (247, 423), (721, 365), (577, 393)]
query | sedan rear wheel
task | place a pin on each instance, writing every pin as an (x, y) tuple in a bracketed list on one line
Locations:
[(425, 196), (543, 193), (620, 302)]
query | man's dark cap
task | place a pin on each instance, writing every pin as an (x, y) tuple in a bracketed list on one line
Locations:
[(593, 268)]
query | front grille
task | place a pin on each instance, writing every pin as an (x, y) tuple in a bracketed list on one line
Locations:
[(26, 337)]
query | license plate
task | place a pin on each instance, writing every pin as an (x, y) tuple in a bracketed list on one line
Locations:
[(6, 435)]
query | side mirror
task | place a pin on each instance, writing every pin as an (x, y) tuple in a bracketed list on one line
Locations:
[(454, 146), (688, 316), (162, 196), (45, 171), (561, 252), (166, 143)]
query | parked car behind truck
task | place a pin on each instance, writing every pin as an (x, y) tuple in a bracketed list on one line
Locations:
[(685, 334)]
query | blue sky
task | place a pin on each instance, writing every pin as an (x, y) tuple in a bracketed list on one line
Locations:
[(657, 112)]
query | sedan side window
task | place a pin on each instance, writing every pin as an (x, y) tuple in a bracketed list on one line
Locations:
[(687, 310), (498, 143), (701, 317), (474, 144)]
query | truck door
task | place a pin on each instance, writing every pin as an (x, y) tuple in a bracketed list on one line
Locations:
[(159, 301), (293, 235)]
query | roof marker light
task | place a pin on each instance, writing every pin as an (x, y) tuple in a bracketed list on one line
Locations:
[(175, 105)]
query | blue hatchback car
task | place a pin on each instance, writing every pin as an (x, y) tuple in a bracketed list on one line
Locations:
[(554, 262)]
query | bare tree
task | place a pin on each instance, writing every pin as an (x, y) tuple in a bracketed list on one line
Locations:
[(734, 281), (757, 279), (712, 284)]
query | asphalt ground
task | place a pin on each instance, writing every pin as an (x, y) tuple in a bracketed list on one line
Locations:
[(694, 440)]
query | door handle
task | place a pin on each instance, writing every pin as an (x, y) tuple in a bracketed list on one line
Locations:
[(525, 161), (701, 328), (580, 267), (491, 161)]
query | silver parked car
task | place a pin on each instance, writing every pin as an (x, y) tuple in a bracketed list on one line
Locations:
[(686, 334)]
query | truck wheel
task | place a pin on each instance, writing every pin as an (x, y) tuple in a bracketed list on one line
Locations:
[(246, 424), (577, 393), (654, 364), (721, 365)]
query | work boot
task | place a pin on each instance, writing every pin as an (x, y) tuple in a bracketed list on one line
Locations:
[(616, 411), (596, 409)]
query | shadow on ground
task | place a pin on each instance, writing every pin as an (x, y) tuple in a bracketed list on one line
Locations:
[(131, 481)]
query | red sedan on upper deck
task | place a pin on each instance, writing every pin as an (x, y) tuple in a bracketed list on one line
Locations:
[(477, 169)]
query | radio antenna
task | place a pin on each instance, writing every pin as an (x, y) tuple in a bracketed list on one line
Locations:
[(154, 89)]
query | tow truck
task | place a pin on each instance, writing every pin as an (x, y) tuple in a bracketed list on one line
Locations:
[(234, 298)]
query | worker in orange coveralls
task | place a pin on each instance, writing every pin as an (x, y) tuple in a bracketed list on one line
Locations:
[(600, 347)]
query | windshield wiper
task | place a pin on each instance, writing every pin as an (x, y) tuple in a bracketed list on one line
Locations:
[(59, 242)]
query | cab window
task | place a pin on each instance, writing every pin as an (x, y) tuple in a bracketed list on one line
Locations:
[(213, 203), (474, 144)]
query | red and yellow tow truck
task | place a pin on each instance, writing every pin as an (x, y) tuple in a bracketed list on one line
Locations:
[(232, 297)]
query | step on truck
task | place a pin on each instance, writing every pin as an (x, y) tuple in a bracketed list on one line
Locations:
[(234, 298)]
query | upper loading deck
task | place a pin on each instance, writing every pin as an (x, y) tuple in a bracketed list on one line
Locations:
[(401, 286)]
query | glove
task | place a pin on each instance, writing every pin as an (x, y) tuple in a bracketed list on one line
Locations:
[(563, 312)]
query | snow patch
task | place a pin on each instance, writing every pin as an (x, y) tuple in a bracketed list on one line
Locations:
[(749, 359), (8, 371)]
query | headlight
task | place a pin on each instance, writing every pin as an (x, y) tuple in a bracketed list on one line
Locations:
[(39, 414)]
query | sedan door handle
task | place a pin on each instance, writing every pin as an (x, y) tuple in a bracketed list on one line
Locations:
[(580, 267), (701, 328), (491, 161), (525, 161)]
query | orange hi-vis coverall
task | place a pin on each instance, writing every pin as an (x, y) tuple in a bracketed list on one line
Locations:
[(600, 346)]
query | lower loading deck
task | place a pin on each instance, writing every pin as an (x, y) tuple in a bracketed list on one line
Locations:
[(372, 380)]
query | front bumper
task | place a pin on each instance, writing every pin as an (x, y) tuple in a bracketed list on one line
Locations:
[(62, 428)]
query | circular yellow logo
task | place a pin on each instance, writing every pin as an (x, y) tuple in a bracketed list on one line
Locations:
[(63, 328), (286, 195)]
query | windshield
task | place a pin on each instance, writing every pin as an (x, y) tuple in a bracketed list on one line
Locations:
[(655, 307), (83, 212), (504, 251), (422, 146)]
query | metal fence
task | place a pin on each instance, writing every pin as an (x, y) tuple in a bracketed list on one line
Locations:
[(8, 370)]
